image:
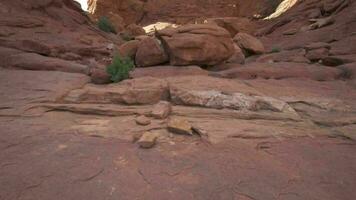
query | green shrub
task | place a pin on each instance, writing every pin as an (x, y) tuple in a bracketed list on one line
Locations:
[(105, 25), (120, 68), (275, 50)]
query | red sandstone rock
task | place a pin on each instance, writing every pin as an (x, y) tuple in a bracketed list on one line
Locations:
[(129, 49), (281, 70), (197, 44), (249, 44), (150, 52), (167, 71)]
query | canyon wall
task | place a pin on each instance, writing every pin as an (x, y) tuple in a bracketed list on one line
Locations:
[(177, 11)]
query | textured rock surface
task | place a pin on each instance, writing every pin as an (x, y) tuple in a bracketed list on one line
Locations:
[(144, 90), (233, 24), (147, 140), (168, 71), (50, 35), (150, 52), (143, 120), (197, 44), (161, 110), (177, 11), (179, 126), (249, 44), (281, 70), (283, 113)]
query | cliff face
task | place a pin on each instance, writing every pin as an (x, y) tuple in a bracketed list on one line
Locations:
[(49, 35), (177, 11)]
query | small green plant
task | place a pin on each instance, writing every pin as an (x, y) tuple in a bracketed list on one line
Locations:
[(120, 68), (275, 50), (105, 25)]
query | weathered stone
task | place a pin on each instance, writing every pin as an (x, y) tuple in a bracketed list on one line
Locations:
[(143, 120), (197, 44), (134, 30), (129, 49), (233, 24), (250, 44), (145, 90), (317, 45), (99, 75), (164, 71), (280, 70), (33, 61), (317, 54), (147, 140), (238, 56), (150, 52), (292, 31), (236, 101), (179, 126), (136, 137), (319, 23), (161, 110), (295, 56)]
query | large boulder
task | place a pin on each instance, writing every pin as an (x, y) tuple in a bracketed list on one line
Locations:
[(249, 44), (233, 24), (238, 56), (129, 49), (150, 53), (197, 44), (135, 30)]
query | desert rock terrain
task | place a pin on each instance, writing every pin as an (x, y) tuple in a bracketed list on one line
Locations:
[(233, 99)]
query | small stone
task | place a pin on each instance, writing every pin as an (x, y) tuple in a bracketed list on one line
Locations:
[(290, 31), (136, 137), (147, 140), (200, 132), (161, 110), (179, 126), (143, 120)]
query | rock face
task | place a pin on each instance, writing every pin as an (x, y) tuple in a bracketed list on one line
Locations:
[(150, 52), (233, 24), (129, 49), (177, 11), (249, 44), (197, 44), (99, 75), (281, 70), (165, 71), (144, 90), (62, 137), (50, 35), (238, 56), (236, 101)]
